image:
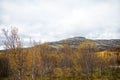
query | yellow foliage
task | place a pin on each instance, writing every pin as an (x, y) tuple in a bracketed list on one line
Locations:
[(58, 72), (87, 47), (106, 56)]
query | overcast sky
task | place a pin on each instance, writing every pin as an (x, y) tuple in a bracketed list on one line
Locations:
[(50, 20)]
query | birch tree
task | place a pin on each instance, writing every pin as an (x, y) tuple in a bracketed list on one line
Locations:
[(15, 53)]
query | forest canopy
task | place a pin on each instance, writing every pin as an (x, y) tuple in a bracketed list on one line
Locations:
[(40, 62)]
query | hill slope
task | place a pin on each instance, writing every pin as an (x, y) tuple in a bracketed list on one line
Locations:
[(76, 41)]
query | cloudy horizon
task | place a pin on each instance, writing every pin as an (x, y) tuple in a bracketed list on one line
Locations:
[(51, 20)]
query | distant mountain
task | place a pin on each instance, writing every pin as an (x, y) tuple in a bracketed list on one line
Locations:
[(76, 41)]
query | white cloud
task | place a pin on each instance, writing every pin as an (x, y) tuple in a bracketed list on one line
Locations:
[(50, 20)]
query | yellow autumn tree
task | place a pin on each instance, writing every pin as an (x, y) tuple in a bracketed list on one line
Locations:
[(15, 53), (88, 58)]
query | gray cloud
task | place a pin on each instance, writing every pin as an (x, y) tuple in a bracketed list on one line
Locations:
[(50, 20)]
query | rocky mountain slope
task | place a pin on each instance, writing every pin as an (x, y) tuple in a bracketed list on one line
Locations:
[(76, 41)]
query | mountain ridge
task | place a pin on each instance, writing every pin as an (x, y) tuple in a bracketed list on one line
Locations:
[(102, 44)]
